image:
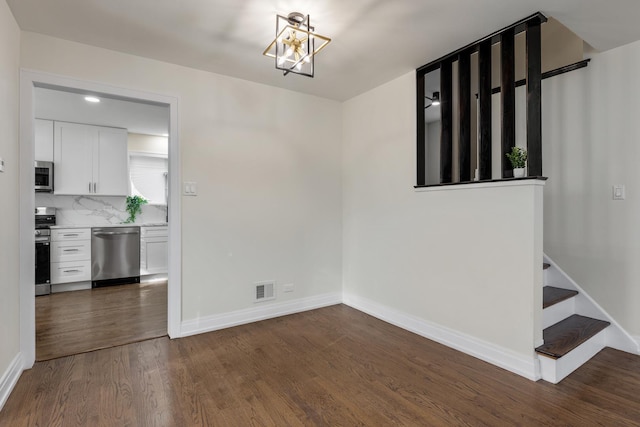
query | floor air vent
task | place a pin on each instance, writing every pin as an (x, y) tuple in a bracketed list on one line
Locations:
[(265, 291)]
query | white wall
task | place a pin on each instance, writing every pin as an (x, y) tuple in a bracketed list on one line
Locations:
[(267, 165), (591, 141), (466, 259), (9, 207)]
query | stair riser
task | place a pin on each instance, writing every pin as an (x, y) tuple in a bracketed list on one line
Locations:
[(555, 370), (557, 312)]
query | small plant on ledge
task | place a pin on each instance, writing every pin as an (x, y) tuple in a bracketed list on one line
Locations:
[(134, 207), (518, 159)]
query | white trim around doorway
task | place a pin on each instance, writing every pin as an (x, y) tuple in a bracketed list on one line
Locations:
[(30, 79)]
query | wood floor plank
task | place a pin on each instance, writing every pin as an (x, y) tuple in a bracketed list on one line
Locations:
[(332, 366), (75, 322)]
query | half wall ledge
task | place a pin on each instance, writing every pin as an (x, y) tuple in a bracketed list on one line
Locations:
[(483, 184)]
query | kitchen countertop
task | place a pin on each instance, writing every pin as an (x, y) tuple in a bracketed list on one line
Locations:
[(150, 224)]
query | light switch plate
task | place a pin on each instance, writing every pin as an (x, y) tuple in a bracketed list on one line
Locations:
[(619, 192), (190, 189)]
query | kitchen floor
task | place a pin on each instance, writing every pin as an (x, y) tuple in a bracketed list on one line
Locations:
[(80, 321)]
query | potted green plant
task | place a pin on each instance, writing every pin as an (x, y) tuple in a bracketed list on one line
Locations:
[(134, 207), (518, 159)]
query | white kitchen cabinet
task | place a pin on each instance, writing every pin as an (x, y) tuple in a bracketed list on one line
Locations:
[(70, 234), (44, 140), (154, 250), (73, 250), (70, 255), (90, 160), (70, 271)]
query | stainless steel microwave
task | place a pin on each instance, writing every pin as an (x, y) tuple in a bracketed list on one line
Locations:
[(44, 176)]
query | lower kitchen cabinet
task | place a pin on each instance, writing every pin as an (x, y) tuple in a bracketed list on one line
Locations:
[(154, 250), (70, 271), (70, 255)]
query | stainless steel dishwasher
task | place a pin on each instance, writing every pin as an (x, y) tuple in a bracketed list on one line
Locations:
[(115, 256)]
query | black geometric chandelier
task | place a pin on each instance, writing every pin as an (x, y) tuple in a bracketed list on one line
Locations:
[(295, 45)]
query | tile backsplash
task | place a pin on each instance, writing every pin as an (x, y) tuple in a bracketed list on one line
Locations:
[(96, 210)]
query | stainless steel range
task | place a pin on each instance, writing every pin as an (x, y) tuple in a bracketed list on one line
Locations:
[(45, 218)]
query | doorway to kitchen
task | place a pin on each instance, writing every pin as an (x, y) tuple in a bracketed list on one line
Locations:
[(127, 144)]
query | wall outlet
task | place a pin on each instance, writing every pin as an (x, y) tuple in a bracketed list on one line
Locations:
[(619, 192), (287, 288)]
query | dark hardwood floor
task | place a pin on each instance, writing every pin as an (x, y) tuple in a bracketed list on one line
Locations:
[(75, 322), (334, 366)]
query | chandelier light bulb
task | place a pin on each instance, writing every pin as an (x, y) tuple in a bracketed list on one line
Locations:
[(298, 66), (289, 52), (281, 60)]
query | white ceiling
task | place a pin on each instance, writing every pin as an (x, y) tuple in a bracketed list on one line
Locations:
[(374, 41), (136, 117)]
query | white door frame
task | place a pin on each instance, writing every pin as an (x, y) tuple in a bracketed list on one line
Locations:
[(28, 81)]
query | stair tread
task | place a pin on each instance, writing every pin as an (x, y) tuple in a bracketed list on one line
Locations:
[(564, 336), (552, 295), (545, 265)]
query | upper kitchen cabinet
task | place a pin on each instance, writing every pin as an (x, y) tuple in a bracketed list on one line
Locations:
[(44, 140), (90, 160)]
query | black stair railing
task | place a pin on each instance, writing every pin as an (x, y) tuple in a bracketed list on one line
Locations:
[(505, 37)]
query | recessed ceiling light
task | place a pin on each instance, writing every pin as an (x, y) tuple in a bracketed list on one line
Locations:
[(91, 99)]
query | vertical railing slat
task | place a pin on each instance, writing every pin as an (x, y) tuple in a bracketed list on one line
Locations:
[(534, 99), (421, 148), (508, 99), (446, 118), (464, 103), (484, 106)]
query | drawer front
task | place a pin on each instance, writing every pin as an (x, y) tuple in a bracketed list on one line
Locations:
[(73, 250), (70, 271), (154, 231), (66, 234)]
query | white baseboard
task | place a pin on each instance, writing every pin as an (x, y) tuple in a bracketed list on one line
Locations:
[(69, 287), (10, 378), (259, 312), (617, 337), (151, 278), (522, 365)]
